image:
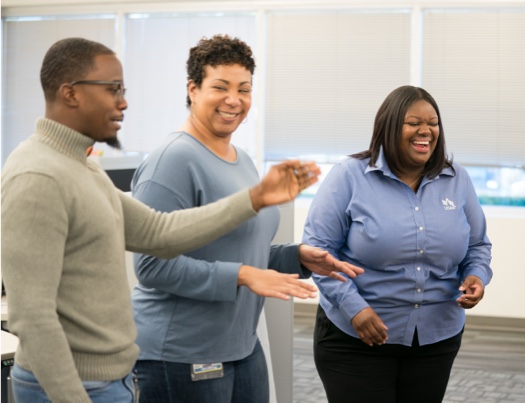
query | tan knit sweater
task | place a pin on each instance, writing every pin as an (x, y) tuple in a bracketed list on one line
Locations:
[(64, 231)]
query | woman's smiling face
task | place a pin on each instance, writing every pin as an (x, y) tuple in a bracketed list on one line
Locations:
[(419, 135), (224, 98)]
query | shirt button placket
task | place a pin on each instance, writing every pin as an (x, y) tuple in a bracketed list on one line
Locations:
[(420, 241)]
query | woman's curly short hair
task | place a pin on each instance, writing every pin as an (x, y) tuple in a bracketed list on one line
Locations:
[(216, 51)]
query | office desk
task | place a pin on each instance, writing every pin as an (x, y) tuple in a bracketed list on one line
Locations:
[(9, 345), (4, 309)]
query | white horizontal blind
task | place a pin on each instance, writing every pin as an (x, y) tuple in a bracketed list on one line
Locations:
[(327, 74), (25, 42), (474, 66), (156, 49)]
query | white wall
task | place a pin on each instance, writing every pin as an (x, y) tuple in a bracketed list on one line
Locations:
[(505, 295)]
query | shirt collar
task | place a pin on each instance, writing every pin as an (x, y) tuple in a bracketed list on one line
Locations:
[(382, 165)]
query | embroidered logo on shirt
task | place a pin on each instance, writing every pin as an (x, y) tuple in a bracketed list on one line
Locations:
[(448, 204)]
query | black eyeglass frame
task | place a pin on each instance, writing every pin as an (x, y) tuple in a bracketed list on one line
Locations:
[(120, 92)]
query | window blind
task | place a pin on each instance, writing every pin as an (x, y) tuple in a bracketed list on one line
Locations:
[(25, 42), (473, 63), (156, 50), (327, 74)]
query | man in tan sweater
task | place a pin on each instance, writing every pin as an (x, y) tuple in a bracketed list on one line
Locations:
[(65, 228)]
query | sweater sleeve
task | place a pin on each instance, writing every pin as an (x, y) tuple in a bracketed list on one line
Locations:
[(195, 277), (33, 211), (167, 235), (284, 258)]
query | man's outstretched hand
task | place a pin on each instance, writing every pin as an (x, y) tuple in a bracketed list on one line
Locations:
[(283, 183)]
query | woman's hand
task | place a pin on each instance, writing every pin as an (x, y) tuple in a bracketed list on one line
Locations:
[(370, 327), (270, 283), (321, 262), (473, 291)]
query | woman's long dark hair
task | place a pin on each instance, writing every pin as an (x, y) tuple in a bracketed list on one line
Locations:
[(388, 126)]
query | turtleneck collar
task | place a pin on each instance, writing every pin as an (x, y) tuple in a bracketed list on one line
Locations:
[(63, 139)]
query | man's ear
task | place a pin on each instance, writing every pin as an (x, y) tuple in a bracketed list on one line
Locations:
[(67, 93)]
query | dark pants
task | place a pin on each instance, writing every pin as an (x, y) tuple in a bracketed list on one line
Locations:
[(354, 372), (244, 381)]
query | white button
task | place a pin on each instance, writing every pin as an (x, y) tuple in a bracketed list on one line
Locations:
[(421, 228), (416, 306), (419, 269), (421, 251), (419, 290), (417, 209)]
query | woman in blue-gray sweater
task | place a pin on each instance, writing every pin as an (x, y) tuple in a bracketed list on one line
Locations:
[(197, 314)]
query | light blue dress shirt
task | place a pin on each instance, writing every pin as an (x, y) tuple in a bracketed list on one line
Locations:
[(416, 248)]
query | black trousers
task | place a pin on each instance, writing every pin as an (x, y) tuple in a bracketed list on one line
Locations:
[(353, 372)]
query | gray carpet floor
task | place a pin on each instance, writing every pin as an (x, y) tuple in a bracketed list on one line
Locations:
[(490, 366)]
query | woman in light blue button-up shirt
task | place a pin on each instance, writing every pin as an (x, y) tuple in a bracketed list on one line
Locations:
[(411, 218)]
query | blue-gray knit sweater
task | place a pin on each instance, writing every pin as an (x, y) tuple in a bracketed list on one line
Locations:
[(190, 309)]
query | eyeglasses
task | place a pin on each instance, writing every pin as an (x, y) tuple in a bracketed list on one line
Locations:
[(119, 91)]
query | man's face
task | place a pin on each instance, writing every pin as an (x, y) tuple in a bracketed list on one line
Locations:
[(101, 106)]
